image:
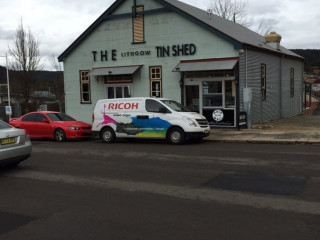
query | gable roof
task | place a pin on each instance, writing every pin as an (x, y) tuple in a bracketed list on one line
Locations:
[(230, 31)]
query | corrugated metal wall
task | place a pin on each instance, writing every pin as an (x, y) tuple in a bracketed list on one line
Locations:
[(292, 106), (278, 103)]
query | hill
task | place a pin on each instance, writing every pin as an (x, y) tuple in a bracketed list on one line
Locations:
[(312, 57)]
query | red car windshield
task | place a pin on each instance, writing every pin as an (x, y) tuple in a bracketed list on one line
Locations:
[(60, 117)]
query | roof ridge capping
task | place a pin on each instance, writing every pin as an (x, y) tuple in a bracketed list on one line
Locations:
[(232, 30)]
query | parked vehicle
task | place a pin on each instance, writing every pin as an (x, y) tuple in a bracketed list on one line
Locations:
[(147, 118), (53, 125), (15, 145)]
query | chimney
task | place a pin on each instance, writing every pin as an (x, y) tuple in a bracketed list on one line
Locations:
[(273, 40), (209, 11)]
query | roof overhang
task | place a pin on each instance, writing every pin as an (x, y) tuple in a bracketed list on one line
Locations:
[(206, 65), (109, 71)]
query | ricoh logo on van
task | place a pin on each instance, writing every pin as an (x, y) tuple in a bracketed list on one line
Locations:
[(121, 106), (160, 51)]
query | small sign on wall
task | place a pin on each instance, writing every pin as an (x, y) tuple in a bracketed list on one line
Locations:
[(8, 110), (242, 119)]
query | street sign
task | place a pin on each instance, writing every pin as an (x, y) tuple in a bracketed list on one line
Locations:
[(8, 110)]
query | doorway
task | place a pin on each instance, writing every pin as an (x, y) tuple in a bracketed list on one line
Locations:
[(192, 97)]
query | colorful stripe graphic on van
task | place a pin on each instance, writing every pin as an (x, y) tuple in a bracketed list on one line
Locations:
[(153, 127), (106, 118)]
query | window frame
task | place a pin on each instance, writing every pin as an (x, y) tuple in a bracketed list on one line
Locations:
[(85, 79), (114, 86), (154, 78), (263, 81), (291, 82), (138, 19)]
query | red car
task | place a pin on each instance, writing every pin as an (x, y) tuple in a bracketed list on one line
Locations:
[(54, 125)]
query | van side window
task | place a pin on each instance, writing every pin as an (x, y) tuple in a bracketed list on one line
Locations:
[(153, 106)]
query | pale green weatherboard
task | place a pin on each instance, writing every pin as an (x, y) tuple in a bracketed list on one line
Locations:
[(161, 29)]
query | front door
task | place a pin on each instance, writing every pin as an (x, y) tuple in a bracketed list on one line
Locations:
[(192, 97)]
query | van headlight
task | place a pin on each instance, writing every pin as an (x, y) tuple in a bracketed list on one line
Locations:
[(74, 128), (189, 121)]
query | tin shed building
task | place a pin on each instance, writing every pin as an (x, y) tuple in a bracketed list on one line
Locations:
[(166, 48)]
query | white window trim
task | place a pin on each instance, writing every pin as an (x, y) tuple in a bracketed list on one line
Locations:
[(114, 86)]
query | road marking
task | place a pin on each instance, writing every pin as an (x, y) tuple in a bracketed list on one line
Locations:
[(183, 192)]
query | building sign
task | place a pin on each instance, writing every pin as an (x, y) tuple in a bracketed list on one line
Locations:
[(161, 51), (176, 50), (219, 117)]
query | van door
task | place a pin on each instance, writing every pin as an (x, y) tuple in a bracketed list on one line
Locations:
[(153, 122)]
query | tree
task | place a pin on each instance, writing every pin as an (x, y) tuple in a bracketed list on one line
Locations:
[(25, 59), (233, 10), (265, 26)]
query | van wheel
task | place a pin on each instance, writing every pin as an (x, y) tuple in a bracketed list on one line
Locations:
[(176, 136), (59, 135), (108, 135)]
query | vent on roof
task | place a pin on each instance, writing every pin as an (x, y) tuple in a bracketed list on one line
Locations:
[(273, 40)]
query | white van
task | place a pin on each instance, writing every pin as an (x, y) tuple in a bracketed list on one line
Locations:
[(147, 118)]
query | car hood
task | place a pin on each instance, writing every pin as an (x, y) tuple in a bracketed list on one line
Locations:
[(73, 123), (192, 115)]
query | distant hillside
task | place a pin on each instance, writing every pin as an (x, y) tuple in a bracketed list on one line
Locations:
[(312, 56), (38, 75)]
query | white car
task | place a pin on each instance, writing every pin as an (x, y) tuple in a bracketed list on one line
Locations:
[(15, 145)]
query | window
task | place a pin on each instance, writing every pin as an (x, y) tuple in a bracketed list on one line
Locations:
[(60, 117), (153, 106), (263, 82), (138, 26), (230, 93), (212, 94), (30, 117), (85, 87), (34, 117), (4, 125), (155, 82), (119, 91), (292, 82)]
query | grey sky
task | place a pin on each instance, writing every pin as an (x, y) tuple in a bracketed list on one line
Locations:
[(58, 23)]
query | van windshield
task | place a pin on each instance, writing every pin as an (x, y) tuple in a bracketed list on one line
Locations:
[(175, 106)]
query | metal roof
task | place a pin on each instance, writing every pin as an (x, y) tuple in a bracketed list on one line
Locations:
[(230, 31), (108, 71), (206, 65), (229, 28)]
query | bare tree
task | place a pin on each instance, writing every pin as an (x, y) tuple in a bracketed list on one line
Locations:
[(54, 63), (265, 26), (233, 10), (24, 61)]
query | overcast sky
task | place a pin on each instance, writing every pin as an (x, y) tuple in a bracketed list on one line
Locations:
[(58, 23)]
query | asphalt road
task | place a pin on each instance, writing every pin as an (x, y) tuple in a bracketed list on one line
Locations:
[(152, 190)]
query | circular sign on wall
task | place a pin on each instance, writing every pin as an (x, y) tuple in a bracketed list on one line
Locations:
[(217, 115)]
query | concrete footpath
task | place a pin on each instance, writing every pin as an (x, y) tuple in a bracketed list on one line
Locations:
[(296, 130)]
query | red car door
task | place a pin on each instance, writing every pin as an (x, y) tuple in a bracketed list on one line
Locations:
[(27, 123), (43, 128)]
